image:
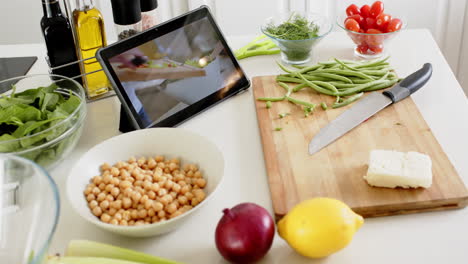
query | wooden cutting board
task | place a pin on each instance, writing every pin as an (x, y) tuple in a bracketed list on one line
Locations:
[(337, 171)]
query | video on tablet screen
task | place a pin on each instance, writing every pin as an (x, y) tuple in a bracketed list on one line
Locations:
[(175, 70)]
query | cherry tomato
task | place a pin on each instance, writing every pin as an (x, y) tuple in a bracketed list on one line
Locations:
[(365, 11), (376, 9), (370, 23), (382, 21), (376, 49), (358, 18), (352, 10), (352, 25), (362, 48), (394, 25), (374, 40)]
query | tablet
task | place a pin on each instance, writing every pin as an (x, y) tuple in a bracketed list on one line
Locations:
[(171, 72)]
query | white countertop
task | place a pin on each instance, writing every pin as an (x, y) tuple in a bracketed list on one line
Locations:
[(437, 237)]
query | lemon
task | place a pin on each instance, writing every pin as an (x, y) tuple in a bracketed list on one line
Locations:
[(319, 227)]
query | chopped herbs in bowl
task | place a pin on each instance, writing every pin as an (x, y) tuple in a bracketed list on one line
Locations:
[(41, 117), (296, 33)]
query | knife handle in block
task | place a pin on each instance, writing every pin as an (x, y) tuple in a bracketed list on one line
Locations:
[(410, 84)]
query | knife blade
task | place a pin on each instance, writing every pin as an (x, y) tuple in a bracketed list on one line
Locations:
[(369, 106)]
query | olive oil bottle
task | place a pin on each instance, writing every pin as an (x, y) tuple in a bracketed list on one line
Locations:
[(90, 36)]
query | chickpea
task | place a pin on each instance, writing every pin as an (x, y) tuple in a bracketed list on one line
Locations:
[(173, 194), (171, 208), (147, 220), (115, 191), (189, 181), (200, 195), (140, 206), (178, 177), (101, 197), (90, 197), (169, 184), (154, 219), (185, 189), (182, 183), (102, 186), (158, 206), (147, 185), (131, 160), (189, 174), (151, 212), (172, 166), (104, 204), (93, 204), (148, 178), (106, 173), (148, 204), (109, 188), (161, 165), (164, 200), (162, 192), (138, 183), (144, 167), (105, 218), (176, 188), (189, 195), (126, 202), (105, 166), (125, 184), (161, 214), (123, 223), (110, 198), (107, 178), (97, 180), (151, 163), (88, 190), (126, 215), (159, 158), (115, 181), (175, 214), (115, 171), (142, 213), (144, 199), (200, 182), (118, 216), (97, 211), (117, 204), (139, 223), (194, 201), (151, 195), (186, 167), (131, 223), (136, 196), (176, 161), (197, 174), (124, 173), (182, 200), (141, 161), (167, 170)]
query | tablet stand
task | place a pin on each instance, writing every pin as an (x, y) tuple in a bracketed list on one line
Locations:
[(125, 124)]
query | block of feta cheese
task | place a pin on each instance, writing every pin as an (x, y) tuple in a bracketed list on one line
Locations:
[(391, 169)]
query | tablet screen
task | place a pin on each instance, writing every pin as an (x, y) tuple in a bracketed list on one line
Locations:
[(173, 71)]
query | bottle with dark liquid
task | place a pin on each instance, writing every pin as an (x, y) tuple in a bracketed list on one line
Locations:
[(59, 40)]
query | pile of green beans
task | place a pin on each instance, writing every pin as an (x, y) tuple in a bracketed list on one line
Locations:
[(344, 79)]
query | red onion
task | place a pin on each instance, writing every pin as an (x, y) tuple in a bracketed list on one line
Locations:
[(245, 233)]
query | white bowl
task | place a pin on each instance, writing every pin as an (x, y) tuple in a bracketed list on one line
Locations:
[(170, 142)]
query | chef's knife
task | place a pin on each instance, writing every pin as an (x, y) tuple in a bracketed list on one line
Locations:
[(369, 106)]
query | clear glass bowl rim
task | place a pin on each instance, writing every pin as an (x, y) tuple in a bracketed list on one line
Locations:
[(38, 258), (327, 20), (78, 109)]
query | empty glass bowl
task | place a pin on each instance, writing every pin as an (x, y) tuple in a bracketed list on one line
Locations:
[(29, 210), (297, 51)]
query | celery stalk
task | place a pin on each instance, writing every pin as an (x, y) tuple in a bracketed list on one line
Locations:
[(86, 260), (84, 248)]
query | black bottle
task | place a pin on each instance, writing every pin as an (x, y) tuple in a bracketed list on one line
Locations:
[(59, 40)]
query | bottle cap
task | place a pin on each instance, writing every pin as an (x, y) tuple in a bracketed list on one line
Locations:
[(148, 5), (126, 12)]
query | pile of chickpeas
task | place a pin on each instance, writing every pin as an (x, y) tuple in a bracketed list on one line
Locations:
[(144, 191)]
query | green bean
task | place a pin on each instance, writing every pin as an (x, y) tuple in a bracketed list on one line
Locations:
[(337, 99), (331, 76), (300, 102), (309, 68), (344, 65), (316, 87), (286, 87), (359, 80), (284, 67), (381, 86), (360, 87), (299, 87), (326, 85), (278, 129), (348, 73), (375, 72), (324, 105), (268, 104), (343, 85), (299, 66), (271, 99), (348, 100), (288, 79), (372, 63), (385, 76), (311, 77)]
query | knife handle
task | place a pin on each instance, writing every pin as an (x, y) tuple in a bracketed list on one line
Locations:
[(410, 84)]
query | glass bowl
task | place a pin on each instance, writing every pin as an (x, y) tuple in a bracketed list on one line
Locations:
[(29, 211), (53, 140), (369, 46), (297, 51)]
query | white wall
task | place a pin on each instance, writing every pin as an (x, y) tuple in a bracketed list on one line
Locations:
[(19, 21)]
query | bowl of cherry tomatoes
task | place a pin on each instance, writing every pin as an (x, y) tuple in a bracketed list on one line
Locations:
[(370, 28)]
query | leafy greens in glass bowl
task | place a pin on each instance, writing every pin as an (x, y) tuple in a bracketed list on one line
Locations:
[(41, 117), (296, 33)]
